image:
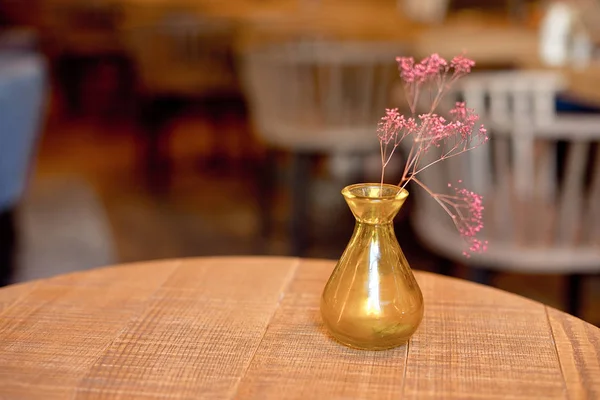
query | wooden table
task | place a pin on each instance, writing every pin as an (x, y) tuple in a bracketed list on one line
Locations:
[(499, 47), (490, 39), (222, 328), (260, 22), (583, 83)]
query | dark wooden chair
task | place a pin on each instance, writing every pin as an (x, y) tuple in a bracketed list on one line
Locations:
[(181, 61)]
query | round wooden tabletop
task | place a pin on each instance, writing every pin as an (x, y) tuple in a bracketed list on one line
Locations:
[(222, 328)]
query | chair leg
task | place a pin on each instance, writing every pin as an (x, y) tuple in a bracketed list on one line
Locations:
[(70, 76), (265, 183), (573, 294), (216, 114), (445, 267), (8, 245), (157, 163), (299, 199), (483, 276)]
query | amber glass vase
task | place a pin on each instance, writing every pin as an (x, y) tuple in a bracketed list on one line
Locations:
[(372, 300)]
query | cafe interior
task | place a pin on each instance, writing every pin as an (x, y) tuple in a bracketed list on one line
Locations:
[(135, 130)]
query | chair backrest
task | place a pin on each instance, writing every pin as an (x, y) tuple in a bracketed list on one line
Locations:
[(184, 54), (19, 40), (22, 99), (514, 106), (539, 173), (87, 27), (319, 95)]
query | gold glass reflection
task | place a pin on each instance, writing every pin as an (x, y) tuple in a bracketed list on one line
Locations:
[(372, 300)]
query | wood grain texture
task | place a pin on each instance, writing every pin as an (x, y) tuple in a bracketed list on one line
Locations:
[(249, 328), (578, 347)]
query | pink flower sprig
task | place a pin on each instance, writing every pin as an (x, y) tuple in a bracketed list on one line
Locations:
[(433, 69), (392, 129), (450, 137), (462, 65), (466, 211), (453, 137)]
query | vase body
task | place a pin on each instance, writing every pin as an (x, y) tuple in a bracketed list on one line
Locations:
[(372, 300)]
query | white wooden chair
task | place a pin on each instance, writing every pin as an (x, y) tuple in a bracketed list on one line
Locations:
[(316, 97), (540, 177)]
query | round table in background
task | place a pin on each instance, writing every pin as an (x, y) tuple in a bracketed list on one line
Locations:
[(249, 327)]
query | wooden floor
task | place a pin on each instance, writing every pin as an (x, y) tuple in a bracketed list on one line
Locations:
[(213, 211)]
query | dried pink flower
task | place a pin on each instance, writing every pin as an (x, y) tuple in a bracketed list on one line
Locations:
[(435, 130), (432, 66), (458, 132), (454, 135), (462, 65), (428, 68), (406, 68), (466, 210), (394, 127), (390, 124), (459, 110)]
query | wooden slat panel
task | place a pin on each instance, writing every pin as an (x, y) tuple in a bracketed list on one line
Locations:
[(592, 220), (479, 161), (333, 110), (572, 195), (502, 225), (523, 168), (367, 89), (296, 104), (545, 183), (544, 212), (381, 98)]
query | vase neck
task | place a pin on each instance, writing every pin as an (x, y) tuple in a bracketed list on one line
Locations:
[(372, 203)]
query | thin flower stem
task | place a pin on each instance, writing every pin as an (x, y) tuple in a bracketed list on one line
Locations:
[(407, 165), (417, 159), (408, 94), (411, 162), (457, 208), (440, 94), (415, 99), (436, 198), (407, 168), (448, 196), (382, 166), (447, 156), (406, 181), (390, 156), (451, 203)]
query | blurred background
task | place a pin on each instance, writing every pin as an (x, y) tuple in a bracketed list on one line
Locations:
[(142, 129)]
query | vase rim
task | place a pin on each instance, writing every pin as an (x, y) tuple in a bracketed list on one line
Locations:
[(349, 191)]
